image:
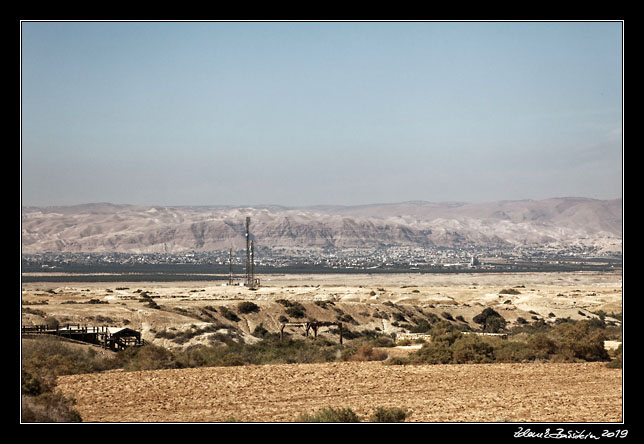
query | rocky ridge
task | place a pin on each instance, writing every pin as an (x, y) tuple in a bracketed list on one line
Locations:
[(104, 227)]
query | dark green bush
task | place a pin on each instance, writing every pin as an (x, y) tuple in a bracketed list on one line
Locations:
[(365, 352), (433, 353), (384, 414), (542, 345), (48, 407), (147, 357), (229, 314), (330, 414), (513, 351), (580, 341), (491, 321), (616, 362), (247, 307), (470, 349), (43, 360), (296, 310)]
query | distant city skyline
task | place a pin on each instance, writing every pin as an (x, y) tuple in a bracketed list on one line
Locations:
[(314, 113)]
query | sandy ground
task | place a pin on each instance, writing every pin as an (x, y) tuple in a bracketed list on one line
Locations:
[(547, 296), (587, 392)]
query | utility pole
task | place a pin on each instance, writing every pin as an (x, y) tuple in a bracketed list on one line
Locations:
[(249, 272), (251, 282), (230, 267)]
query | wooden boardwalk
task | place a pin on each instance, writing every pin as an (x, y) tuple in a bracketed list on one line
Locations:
[(114, 338)]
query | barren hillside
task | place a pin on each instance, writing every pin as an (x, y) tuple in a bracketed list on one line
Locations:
[(127, 228)]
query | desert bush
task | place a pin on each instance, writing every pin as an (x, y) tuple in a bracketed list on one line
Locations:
[(513, 351), (43, 360), (229, 314), (398, 317), (491, 321), (393, 414), (270, 350), (48, 357), (616, 362), (48, 407), (330, 414), (423, 326), (365, 352), (296, 310), (580, 341), (447, 316), (398, 360), (470, 349), (30, 384), (247, 307), (542, 345), (347, 318), (444, 332), (147, 357), (432, 353), (509, 291)]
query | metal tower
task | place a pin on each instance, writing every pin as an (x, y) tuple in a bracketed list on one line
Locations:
[(250, 281), (230, 267)]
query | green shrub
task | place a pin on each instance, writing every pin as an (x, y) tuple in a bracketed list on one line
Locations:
[(542, 345), (470, 349), (30, 385), (147, 357), (491, 321), (423, 326), (43, 360), (296, 310), (432, 353), (48, 407), (393, 414), (444, 332), (365, 352), (247, 307), (509, 291), (330, 414), (579, 341), (513, 351), (616, 362), (228, 314)]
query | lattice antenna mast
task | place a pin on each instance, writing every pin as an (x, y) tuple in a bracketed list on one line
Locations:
[(249, 272), (252, 264), (230, 267)]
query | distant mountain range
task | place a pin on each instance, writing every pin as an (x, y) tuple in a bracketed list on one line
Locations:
[(104, 227)]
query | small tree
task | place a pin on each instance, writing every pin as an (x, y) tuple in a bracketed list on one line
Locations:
[(247, 307), (491, 321), (470, 349)]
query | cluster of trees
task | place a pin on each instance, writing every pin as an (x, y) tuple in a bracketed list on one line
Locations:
[(564, 341)]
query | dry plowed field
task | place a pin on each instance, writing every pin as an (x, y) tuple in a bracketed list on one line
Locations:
[(537, 392)]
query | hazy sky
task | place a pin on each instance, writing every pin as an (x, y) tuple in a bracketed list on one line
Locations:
[(302, 113)]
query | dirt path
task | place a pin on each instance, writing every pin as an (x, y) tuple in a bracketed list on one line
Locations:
[(587, 392)]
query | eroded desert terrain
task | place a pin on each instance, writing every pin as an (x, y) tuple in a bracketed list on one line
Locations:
[(433, 393)]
